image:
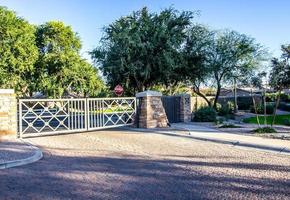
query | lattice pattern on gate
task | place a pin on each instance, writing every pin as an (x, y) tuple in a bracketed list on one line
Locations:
[(110, 112), (39, 116)]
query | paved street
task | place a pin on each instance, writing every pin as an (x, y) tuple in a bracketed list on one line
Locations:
[(115, 164)]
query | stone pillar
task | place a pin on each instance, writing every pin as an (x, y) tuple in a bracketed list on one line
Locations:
[(185, 108), (8, 113), (151, 110)]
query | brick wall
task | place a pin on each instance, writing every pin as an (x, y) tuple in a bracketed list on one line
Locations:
[(185, 108), (151, 110), (8, 113)]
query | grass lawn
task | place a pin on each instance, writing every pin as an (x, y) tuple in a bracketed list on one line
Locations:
[(279, 120)]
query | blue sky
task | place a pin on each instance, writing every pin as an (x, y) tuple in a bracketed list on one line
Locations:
[(265, 20)]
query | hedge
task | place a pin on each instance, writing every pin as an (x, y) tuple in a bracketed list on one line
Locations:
[(205, 114)]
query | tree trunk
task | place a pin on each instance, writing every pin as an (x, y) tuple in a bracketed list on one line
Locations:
[(276, 107), (141, 87), (204, 97), (255, 108), (196, 90), (235, 96), (218, 91), (265, 108), (170, 90)]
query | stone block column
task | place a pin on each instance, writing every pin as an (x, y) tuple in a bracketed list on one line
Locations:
[(185, 108), (151, 110), (8, 113)]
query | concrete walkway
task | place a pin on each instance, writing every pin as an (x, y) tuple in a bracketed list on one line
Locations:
[(210, 134), (15, 152)]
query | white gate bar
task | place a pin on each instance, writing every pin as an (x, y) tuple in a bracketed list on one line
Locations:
[(52, 116)]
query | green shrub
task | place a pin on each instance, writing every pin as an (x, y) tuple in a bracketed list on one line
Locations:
[(205, 114), (265, 130), (218, 107), (260, 108), (231, 107), (226, 109)]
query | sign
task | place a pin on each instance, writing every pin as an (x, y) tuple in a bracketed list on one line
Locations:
[(118, 90)]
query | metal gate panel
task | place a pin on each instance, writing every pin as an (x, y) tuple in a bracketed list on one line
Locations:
[(110, 112), (52, 116), (171, 106)]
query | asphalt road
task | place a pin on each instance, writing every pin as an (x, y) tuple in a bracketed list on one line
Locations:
[(114, 164)]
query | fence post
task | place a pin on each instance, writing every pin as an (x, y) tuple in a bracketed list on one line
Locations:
[(151, 113), (185, 108), (87, 113), (8, 113)]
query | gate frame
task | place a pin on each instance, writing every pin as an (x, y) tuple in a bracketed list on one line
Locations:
[(86, 128), (111, 98)]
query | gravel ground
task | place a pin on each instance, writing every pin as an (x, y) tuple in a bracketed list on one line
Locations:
[(14, 149), (115, 164)]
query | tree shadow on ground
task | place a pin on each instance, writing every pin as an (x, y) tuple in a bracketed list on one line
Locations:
[(134, 177)]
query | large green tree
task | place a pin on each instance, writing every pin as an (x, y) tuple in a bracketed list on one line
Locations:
[(60, 67), (83, 79), (280, 75), (219, 58), (59, 49), (18, 52), (195, 67), (143, 49), (233, 56)]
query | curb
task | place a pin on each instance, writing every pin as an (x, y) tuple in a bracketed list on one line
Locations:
[(235, 143), (35, 157)]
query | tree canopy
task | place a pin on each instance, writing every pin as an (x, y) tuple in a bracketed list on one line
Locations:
[(280, 73), (83, 79), (219, 57), (146, 49), (59, 50), (233, 56), (142, 49), (196, 68), (60, 68), (44, 58), (18, 51)]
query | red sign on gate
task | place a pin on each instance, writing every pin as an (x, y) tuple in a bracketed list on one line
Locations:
[(118, 90)]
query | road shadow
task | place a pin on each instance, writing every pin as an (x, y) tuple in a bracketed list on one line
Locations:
[(135, 177)]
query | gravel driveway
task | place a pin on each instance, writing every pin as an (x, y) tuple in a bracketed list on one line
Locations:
[(115, 164)]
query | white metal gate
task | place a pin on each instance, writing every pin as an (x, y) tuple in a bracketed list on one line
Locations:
[(52, 116)]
